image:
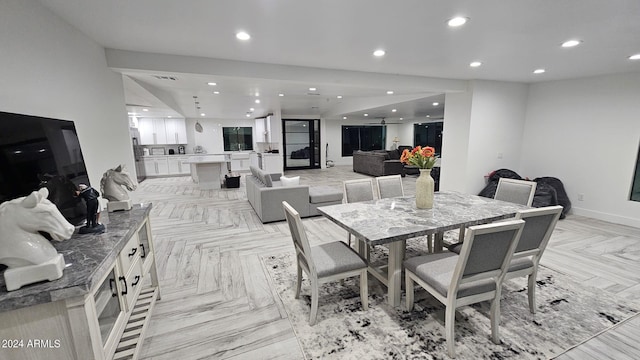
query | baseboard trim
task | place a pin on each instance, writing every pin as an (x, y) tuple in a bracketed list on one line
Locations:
[(623, 220)]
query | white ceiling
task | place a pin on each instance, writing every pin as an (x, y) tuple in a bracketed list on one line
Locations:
[(511, 39)]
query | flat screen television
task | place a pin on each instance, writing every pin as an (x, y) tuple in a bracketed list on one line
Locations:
[(37, 152)]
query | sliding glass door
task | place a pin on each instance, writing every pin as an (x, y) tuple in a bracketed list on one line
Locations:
[(301, 144)]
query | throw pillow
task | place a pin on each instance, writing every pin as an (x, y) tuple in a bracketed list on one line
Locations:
[(290, 181)]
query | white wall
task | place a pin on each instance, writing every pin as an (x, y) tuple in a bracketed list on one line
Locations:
[(586, 133), (211, 136), (48, 68), (482, 133)]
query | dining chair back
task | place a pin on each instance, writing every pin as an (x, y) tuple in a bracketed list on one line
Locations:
[(515, 191), (538, 227), (475, 275), (389, 186), (356, 191), (323, 263)]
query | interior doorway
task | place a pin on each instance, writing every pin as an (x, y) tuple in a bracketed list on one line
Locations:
[(301, 139)]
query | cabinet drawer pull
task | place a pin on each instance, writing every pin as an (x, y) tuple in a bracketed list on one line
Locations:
[(144, 252), (124, 281), (112, 283), (133, 252), (137, 280)]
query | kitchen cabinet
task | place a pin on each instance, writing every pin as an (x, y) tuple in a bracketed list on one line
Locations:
[(156, 165), (240, 161), (176, 130), (178, 165), (271, 163), (161, 131), (100, 308)]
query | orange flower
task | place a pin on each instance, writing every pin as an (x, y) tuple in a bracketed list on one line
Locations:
[(416, 149), (404, 156), (428, 151)]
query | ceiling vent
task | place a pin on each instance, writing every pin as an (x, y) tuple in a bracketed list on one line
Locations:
[(165, 77)]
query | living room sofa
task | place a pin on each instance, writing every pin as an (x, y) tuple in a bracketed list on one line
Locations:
[(378, 163), (266, 193)]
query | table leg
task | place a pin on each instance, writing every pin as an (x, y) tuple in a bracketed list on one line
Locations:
[(394, 288), (438, 242)]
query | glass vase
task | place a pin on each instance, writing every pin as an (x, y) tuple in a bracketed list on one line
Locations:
[(424, 189)]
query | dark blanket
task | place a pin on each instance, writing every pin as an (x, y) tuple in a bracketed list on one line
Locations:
[(549, 190)]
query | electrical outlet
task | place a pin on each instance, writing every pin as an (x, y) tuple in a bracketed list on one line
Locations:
[(581, 197)]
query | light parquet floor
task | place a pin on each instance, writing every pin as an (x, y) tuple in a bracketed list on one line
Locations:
[(218, 303)]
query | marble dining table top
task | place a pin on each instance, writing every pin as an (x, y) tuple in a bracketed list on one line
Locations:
[(392, 219)]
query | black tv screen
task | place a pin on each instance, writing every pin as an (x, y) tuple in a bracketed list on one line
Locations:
[(37, 152)]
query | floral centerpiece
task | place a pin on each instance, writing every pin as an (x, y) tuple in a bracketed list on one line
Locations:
[(424, 158), (421, 157)]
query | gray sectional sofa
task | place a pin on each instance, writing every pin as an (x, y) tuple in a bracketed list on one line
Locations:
[(266, 194), (377, 163)]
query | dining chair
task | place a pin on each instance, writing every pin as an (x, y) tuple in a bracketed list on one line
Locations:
[(538, 227), (475, 275), (323, 263), (356, 191), (389, 186), (515, 191), (510, 190)]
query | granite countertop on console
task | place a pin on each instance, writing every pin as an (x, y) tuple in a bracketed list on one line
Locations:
[(88, 257)]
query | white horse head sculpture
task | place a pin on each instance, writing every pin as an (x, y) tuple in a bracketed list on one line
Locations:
[(21, 219), (111, 185)]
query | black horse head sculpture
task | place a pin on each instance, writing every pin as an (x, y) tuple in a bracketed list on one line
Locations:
[(62, 192)]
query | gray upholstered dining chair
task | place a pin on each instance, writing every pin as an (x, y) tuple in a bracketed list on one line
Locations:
[(389, 186), (538, 227), (510, 190), (323, 263), (475, 275), (356, 191), (515, 191)]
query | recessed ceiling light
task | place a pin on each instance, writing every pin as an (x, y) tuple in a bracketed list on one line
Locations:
[(202, 114), (248, 115), (436, 104), (457, 21), (475, 64), (571, 43), (401, 118), (243, 35), (339, 96), (389, 92), (379, 53), (145, 109), (257, 93), (281, 94), (251, 109), (366, 114), (169, 116), (428, 116), (312, 89), (217, 92), (344, 118), (394, 110), (211, 84), (539, 71), (257, 101), (634, 57)]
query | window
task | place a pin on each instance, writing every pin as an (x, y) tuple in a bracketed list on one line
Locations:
[(364, 138), (428, 134), (635, 187), (237, 138)]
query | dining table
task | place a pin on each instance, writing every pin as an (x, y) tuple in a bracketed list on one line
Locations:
[(392, 221)]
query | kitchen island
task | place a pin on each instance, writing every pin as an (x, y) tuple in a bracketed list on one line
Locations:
[(106, 293), (207, 170)]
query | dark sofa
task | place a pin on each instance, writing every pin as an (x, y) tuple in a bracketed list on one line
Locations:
[(378, 162)]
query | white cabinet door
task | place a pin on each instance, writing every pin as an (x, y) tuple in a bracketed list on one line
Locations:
[(160, 131), (162, 166), (185, 166), (150, 166), (176, 130), (174, 165), (272, 163), (147, 135)]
